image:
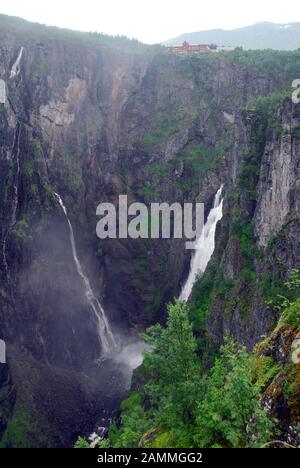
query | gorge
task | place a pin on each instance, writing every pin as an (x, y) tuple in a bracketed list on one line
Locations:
[(91, 117)]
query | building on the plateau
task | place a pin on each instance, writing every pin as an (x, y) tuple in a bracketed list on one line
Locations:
[(186, 47)]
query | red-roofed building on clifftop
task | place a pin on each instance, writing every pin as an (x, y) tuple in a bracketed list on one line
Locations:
[(186, 47)]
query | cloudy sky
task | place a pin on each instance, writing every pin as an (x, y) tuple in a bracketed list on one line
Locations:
[(151, 20)]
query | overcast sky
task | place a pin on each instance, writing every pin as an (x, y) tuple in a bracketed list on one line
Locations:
[(151, 20)]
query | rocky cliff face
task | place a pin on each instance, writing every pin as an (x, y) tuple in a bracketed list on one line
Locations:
[(91, 118), (279, 178), (258, 243), (281, 393)]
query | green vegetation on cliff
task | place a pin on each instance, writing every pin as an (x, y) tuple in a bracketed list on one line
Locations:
[(183, 404), (21, 431), (188, 407)]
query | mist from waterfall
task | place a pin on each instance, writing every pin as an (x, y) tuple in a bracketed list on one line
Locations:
[(205, 246), (106, 337)]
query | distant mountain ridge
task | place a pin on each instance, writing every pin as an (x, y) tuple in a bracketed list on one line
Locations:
[(263, 35)]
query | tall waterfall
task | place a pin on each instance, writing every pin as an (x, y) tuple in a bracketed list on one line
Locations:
[(105, 334), (16, 66), (205, 246)]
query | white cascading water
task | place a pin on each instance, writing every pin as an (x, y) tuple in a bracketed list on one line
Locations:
[(2, 92), (205, 246), (105, 334), (16, 66)]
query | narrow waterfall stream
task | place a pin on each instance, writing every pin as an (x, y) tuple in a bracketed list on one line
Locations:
[(16, 66), (106, 337), (205, 246), (2, 92)]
